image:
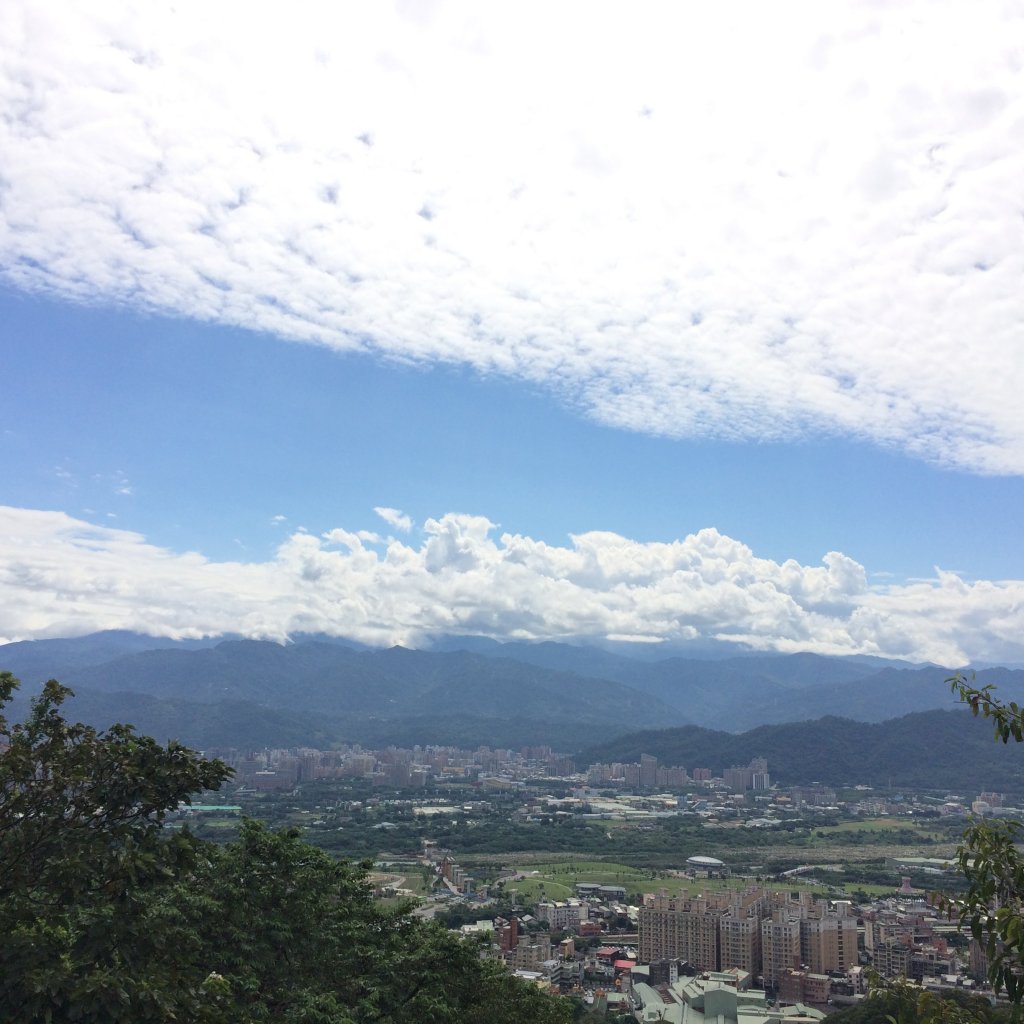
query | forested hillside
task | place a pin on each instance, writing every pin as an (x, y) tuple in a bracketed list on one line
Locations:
[(947, 750)]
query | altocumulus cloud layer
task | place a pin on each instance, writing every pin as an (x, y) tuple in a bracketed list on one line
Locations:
[(61, 576), (751, 220)]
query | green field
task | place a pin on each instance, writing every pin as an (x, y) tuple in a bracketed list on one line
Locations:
[(530, 890), (556, 880), (885, 825), (559, 879)]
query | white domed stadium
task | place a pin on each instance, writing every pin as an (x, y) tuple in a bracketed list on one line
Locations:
[(709, 866)]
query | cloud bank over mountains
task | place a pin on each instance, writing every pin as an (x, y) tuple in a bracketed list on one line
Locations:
[(733, 221), (61, 576)]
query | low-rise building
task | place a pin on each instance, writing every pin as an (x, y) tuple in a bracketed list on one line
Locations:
[(567, 915), (804, 987), (713, 998)]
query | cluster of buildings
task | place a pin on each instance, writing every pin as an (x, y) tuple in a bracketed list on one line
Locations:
[(454, 876), (764, 934), (905, 941), (805, 952), (394, 767), (753, 776), (505, 769), (712, 998), (691, 952), (401, 767), (726, 956), (523, 941), (648, 774)]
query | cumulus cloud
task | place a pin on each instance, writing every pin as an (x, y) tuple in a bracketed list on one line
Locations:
[(63, 576), (694, 220), (394, 517)]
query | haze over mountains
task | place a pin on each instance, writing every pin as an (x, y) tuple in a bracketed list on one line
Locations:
[(316, 692)]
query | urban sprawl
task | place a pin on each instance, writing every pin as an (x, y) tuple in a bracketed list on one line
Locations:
[(717, 932)]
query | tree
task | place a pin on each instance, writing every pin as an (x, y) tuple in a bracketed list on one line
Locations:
[(993, 906), (296, 932), (82, 855), (898, 1001), (108, 917)]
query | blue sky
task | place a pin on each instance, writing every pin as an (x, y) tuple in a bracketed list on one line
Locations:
[(384, 342), (199, 436)]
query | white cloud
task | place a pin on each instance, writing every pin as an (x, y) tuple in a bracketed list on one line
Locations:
[(394, 517), (735, 220), (121, 485), (63, 576)]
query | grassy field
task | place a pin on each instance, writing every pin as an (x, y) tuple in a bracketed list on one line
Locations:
[(835, 853), (556, 879), (531, 889), (872, 825), (888, 825), (415, 881)]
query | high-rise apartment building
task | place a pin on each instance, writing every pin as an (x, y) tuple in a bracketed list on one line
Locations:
[(648, 771), (780, 945), (828, 943), (753, 776), (680, 928), (740, 941)]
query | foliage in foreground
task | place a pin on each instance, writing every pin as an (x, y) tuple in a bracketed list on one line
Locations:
[(106, 918), (901, 1002), (989, 859)]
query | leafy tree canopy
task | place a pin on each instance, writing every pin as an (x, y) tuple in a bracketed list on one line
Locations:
[(901, 1002), (990, 859), (107, 917)]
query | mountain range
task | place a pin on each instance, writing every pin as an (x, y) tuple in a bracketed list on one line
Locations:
[(467, 691)]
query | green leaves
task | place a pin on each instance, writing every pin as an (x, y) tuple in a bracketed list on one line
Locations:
[(1007, 719), (107, 919), (82, 858), (989, 858), (899, 1001)]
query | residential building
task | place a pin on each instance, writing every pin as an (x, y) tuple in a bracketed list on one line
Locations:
[(567, 915), (529, 953), (804, 987), (680, 928), (780, 945), (828, 942), (740, 941)]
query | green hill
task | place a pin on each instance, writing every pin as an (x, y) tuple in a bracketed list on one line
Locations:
[(947, 750)]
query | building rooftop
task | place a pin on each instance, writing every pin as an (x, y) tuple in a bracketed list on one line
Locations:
[(715, 1000)]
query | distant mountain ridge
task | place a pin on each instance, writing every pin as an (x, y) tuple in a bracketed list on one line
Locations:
[(572, 694), (741, 693), (337, 691)]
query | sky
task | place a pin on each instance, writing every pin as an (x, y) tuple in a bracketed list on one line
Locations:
[(577, 322)]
